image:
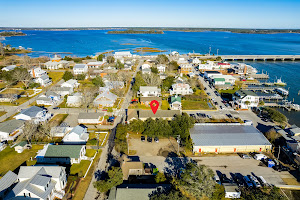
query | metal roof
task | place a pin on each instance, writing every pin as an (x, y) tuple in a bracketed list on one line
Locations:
[(212, 134), (32, 111), (90, 115), (65, 151), (7, 180)]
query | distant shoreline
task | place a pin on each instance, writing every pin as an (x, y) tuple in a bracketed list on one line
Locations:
[(159, 30)]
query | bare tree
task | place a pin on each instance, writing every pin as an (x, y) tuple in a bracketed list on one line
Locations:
[(125, 77), (113, 77), (29, 131), (152, 79), (26, 61), (119, 92), (23, 76), (44, 130), (88, 95)]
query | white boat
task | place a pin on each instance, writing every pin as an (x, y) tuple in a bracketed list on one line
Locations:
[(280, 82), (282, 91)]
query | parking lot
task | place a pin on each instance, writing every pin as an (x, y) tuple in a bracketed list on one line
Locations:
[(229, 165), (163, 147)]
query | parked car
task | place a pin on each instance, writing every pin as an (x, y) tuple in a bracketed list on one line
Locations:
[(260, 156), (149, 139), (262, 181), (56, 108), (156, 139), (208, 93), (248, 182), (245, 156), (281, 168), (216, 103), (255, 181), (143, 138)]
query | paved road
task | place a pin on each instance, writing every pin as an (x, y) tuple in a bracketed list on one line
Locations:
[(11, 110), (92, 193)]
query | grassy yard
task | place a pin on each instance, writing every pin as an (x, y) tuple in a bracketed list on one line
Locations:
[(165, 105), (90, 152), (195, 105), (10, 159), (58, 119), (93, 137), (80, 168), (84, 184), (139, 106), (55, 76)]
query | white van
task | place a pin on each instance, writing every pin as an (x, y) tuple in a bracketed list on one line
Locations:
[(262, 181), (260, 156)]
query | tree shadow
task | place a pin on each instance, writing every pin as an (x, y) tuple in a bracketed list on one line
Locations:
[(175, 164)]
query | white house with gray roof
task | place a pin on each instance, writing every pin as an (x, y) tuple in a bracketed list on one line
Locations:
[(90, 118), (9, 68), (149, 91), (80, 69), (105, 99), (40, 182), (246, 99), (7, 183), (43, 80), (63, 91), (50, 98), (70, 83), (78, 135), (35, 113), (11, 129)]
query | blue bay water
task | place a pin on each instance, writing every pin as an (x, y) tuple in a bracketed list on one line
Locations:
[(83, 43)]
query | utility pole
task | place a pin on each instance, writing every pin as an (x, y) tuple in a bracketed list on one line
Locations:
[(278, 153)]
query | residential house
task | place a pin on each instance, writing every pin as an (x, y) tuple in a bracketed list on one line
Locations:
[(209, 65), (161, 68), (186, 68), (231, 191), (96, 64), (174, 53), (21, 146), (56, 63), (63, 91), (128, 65), (90, 118), (196, 61), (163, 76), (39, 182), (175, 103), (182, 61), (122, 54), (80, 69), (43, 80), (61, 130), (9, 68), (146, 71), (3, 145), (130, 167), (78, 135), (37, 114), (105, 99), (147, 100), (70, 83), (246, 99), (9, 97), (50, 98), (61, 154), (181, 88), (113, 84), (145, 114), (137, 191), (149, 91), (223, 65), (74, 100), (11, 129), (146, 65), (7, 183), (37, 72)]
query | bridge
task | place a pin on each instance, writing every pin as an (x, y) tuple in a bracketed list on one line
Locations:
[(253, 57)]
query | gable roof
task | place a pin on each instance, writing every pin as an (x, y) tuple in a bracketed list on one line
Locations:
[(30, 171), (90, 115), (148, 88), (175, 99), (79, 66), (79, 130), (243, 93), (65, 151), (11, 125), (7, 180), (32, 111), (107, 95)]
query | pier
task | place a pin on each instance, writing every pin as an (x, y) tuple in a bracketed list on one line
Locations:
[(289, 106), (253, 57)]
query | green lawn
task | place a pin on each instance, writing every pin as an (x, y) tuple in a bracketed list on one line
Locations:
[(195, 105), (80, 168), (10, 159), (84, 184), (58, 119), (55, 76), (2, 113), (165, 105), (90, 152), (93, 137)]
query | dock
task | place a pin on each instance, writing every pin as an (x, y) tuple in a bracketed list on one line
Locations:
[(288, 105), (252, 57)]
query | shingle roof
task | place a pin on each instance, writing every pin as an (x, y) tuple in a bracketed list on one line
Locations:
[(11, 125), (243, 93), (66, 151), (7, 180), (22, 143), (32, 111), (30, 171), (226, 135), (79, 66), (148, 88), (175, 98)]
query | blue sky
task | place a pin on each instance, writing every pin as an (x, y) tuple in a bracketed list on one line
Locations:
[(163, 13)]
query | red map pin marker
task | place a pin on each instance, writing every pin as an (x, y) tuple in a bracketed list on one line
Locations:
[(154, 106)]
